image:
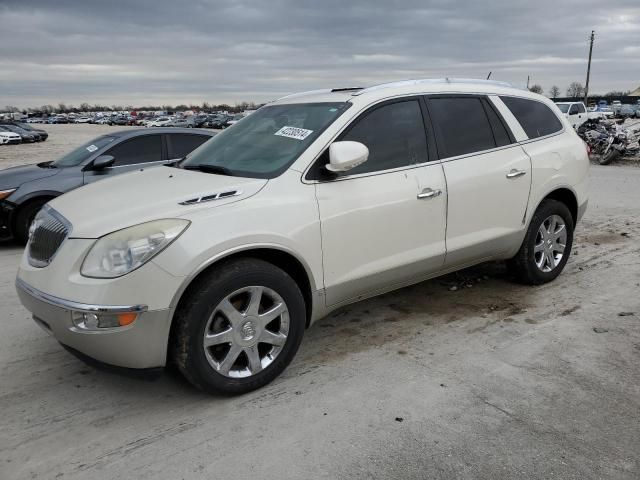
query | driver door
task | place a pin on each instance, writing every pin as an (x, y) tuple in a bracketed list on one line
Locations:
[(383, 222)]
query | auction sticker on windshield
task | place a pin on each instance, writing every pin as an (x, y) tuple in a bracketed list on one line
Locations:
[(294, 132), (92, 148)]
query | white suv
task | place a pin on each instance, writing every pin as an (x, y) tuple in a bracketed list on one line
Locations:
[(315, 201)]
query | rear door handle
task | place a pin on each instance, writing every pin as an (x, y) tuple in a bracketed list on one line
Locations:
[(428, 193), (516, 173)]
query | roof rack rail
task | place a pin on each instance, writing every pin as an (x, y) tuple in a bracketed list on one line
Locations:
[(302, 94), (346, 89), (405, 83)]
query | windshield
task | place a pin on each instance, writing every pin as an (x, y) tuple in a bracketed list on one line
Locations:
[(564, 107), (265, 143), (80, 154)]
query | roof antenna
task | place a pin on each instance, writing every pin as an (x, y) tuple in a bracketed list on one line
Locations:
[(489, 76)]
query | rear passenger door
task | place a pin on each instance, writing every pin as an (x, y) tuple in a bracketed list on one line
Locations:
[(488, 177), (181, 144), (134, 153)]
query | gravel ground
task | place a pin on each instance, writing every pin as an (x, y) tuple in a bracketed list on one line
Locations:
[(488, 380)]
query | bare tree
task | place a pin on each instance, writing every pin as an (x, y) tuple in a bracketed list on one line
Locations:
[(536, 89), (554, 91), (575, 90)]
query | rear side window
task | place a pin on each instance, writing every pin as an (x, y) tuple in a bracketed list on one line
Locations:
[(180, 144), (394, 135), (147, 148), (581, 108), (535, 117), (461, 125)]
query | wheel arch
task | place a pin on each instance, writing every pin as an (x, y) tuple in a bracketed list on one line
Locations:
[(568, 197), (277, 256), (29, 199)]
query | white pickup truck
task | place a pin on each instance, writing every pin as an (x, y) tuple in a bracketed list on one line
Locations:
[(577, 113)]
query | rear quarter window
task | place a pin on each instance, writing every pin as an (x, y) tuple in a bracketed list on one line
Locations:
[(536, 119)]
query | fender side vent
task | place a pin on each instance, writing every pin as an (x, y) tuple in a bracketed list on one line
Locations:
[(212, 197)]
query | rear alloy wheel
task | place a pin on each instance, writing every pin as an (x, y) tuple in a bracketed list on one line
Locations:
[(546, 246), (239, 327)]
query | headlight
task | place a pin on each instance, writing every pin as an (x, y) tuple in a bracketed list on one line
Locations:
[(5, 193), (121, 252)]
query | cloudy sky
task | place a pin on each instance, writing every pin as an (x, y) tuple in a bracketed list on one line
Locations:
[(168, 51)]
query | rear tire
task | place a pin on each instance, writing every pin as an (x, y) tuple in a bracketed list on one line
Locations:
[(239, 327), (25, 217), (546, 246)]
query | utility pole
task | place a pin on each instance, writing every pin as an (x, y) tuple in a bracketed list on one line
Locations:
[(586, 88), (527, 82)]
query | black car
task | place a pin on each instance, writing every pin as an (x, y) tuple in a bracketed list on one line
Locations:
[(25, 189), (25, 126), (27, 137), (218, 121)]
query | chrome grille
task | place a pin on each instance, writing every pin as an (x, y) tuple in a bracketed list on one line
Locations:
[(48, 231)]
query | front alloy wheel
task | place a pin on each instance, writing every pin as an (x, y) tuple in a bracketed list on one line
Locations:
[(238, 326), (246, 332)]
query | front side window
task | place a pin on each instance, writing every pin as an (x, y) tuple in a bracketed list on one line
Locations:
[(573, 110), (581, 108), (265, 143), (394, 135), (144, 149), (83, 152), (461, 124), (536, 119)]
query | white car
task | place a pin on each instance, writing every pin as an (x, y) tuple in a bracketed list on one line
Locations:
[(82, 120), (159, 122), (313, 202), (9, 138)]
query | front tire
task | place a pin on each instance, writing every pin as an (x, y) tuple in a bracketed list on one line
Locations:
[(239, 327), (546, 246), (25, 217)]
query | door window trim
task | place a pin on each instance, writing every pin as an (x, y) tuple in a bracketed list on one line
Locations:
[(431, 153)]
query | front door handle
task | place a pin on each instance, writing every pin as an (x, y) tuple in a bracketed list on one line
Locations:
[(516, 173), (428, 193)]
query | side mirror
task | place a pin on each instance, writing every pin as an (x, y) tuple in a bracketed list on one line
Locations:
[(103, 161), (346, 155)]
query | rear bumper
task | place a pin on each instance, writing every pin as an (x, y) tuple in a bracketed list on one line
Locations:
[(140, 345)]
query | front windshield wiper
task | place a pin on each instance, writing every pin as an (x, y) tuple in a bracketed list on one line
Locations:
[(203, 167)]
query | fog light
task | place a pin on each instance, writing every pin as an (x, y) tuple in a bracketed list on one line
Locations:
[(90, 320), (98, 321)]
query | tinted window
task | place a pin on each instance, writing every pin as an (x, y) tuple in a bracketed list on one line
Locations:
[(500, 134), (535, 117), (462, 126), (80, 154), (394, 135), (183, 143), (573, 110), (147, 148), (581, 108)]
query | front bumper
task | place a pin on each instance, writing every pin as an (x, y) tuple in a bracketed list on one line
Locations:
[(140, 345)]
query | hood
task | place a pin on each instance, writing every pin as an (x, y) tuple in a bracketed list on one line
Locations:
[(13, 177), (8, 134), (144, 195)]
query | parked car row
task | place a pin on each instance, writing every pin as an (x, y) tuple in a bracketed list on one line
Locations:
[(201, 120), (17, 132)]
